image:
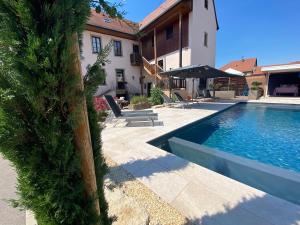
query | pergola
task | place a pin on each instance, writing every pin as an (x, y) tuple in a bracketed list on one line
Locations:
[(196, 71)]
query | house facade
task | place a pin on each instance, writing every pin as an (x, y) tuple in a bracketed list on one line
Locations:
[(178, 33), (276, 80)]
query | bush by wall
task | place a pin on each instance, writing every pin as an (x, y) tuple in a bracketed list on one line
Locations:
[(156, 96)]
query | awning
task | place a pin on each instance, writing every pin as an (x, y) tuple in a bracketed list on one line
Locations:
[(282, 68), (233, 71), (197, 71)]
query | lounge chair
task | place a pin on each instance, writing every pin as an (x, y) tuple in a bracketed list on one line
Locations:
[(184, 103), (133, 118)]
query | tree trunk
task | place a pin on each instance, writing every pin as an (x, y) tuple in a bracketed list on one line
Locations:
[(82, 131)]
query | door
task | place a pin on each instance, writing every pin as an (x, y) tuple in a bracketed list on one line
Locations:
[(149, 87)]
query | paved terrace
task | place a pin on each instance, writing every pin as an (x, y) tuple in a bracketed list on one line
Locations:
[(8, 215), (202, 195)]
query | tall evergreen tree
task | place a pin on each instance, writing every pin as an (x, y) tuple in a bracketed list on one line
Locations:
[(38, 117)]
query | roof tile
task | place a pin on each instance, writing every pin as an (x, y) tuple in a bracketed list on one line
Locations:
[(104, 21)]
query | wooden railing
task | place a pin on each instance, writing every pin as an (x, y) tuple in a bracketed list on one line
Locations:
[(151, 68)]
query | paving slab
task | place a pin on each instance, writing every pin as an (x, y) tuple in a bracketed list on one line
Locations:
[(8, 180), (203, 196)]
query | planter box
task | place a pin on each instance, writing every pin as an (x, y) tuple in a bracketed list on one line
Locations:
[(140, 106), (223, 94), (254, 94)]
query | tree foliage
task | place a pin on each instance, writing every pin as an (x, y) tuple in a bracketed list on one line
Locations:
[(37, 121)]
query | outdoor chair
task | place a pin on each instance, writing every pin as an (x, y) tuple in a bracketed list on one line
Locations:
[(184, 103), (129, 115)]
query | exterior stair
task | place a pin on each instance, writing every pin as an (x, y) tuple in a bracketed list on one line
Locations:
[(150, 69)]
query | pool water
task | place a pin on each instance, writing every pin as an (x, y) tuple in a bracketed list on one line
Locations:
[(266, 133)]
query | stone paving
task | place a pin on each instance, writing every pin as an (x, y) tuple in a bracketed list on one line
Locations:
[(8, 215), (201, 195)]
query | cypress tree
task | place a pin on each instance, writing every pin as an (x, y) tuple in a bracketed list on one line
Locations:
[(37, 81)]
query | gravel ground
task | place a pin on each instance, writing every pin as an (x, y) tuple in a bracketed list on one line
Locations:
[(160, 213)]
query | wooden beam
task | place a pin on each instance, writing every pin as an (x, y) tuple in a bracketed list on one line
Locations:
[(107, 31), (141, 67), (155, 55), (180, 39)]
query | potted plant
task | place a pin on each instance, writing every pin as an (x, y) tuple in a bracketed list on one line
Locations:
[(214, 87), (139, 103), (255, 91)]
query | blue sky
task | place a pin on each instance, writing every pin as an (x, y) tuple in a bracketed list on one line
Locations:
[(266, 29)]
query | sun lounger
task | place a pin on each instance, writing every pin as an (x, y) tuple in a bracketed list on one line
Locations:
[(139, 118), (118, 113), (184, 103)]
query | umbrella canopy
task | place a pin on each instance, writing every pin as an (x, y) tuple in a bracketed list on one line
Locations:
[(197, 71)]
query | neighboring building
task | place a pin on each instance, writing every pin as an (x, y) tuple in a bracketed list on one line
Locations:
[(178, 33), (279, 80)]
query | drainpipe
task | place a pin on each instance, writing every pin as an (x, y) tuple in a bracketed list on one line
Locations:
[(155, 56), (141, 67), (180, 39)]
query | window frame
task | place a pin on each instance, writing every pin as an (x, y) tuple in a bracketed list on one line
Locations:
[(116, 53), (135, 47), (99, 48), (206, 4), (169, 35), (205, 42)]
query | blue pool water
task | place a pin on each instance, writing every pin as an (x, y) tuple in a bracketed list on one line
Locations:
[(263, 132)]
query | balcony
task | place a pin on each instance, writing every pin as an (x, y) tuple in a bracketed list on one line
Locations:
[(135, 59)]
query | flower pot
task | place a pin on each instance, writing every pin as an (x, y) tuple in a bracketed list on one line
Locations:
[(254, 94)]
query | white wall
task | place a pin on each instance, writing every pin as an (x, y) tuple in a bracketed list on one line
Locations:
[(132, 73), (202, 20)]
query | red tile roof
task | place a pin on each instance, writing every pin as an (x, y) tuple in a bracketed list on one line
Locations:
[(102, 20), (164, 7), (129, 27), (244, 65)]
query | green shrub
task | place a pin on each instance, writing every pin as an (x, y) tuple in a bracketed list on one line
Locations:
[(139, 99), (156, 96), (256, 85), (101, 116), (37, 85)]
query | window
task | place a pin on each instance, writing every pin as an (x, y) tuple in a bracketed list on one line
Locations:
[(179, 83), (205, 39), (161, 63), (136, 49), (169, 32), (96, 44), (118, 48), (120, 75), (121, 84), (206, 4)]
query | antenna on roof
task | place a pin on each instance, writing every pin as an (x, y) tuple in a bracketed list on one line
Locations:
[(243, 59)]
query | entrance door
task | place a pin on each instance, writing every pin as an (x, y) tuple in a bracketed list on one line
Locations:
[(149, 87)]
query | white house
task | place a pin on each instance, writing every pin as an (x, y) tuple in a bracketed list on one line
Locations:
[(177, 33)]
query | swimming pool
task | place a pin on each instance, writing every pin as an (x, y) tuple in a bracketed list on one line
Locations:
[(246, 134)]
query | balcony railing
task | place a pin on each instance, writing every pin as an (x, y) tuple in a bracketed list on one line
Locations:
[(135, 59)]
